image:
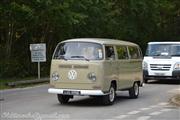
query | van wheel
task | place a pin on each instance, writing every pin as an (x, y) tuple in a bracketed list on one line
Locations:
[(145, 80), (63, 99), (134, 91), (110, 98)]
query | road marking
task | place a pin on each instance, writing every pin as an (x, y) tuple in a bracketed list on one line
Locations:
[(144, 118), (153, 106), (121, 116), (133, 112), (159, 105), (145, 109), (163, 103), (155, 113), (176, 90), (165, 110)]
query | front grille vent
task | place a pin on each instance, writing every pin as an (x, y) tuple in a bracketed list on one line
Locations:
[(160, 67), (74, 66)]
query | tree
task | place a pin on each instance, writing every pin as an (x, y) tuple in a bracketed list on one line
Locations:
[(51, 21)]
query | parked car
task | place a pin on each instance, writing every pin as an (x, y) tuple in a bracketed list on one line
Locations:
[(162, 61), (95, 67)]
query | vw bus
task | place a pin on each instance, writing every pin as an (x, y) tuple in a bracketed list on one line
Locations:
[(95, 67), (162, 61)]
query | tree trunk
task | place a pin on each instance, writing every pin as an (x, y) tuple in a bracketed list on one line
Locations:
[(9, 40)]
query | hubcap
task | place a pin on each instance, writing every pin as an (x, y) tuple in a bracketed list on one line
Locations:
[(136, 88), (111, 94)]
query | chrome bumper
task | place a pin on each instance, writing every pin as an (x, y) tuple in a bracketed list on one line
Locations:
[(82, 92)]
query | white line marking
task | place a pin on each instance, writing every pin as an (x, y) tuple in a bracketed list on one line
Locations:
[(155, 113), (163, 103), (176, 90), (143, 118), (133, 112), (153, 106), (145, 109), (121, 116), (165, 110)]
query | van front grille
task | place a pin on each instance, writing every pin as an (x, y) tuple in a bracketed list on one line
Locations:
[(160, 67), (74, 66)]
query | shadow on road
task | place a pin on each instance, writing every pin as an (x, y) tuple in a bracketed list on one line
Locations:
[(95, 101), (170, 82)]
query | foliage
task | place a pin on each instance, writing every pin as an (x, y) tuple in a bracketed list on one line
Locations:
[(50, 21)]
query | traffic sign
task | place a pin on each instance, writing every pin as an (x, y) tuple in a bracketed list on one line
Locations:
[(38, 52)]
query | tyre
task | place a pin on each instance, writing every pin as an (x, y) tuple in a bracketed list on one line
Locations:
[(110, 98), (145, 80), (134, 91), (63, 99)]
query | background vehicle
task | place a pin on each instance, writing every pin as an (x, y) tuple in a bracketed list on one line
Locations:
[(95, 67), (162, 61)]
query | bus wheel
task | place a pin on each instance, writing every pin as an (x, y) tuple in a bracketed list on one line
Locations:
[(63, 99), (134, 91), (110, 98), (145, 80)]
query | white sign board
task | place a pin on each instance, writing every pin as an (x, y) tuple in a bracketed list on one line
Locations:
[(38, 52)]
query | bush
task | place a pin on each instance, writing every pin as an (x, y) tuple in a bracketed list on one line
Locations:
[(11, 68)]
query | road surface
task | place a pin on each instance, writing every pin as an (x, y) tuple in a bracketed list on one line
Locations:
[(37, 104)]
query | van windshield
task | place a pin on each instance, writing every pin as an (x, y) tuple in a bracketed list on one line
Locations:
[(171, 50), (79, 51)]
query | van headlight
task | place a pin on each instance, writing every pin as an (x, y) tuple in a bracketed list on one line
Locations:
[(55, 76), (92, 76), (145, 65), (177, 66)]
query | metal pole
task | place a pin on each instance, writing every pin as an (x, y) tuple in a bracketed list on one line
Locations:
[(39, 70)]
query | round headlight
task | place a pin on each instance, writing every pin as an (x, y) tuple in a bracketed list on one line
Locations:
[(92, 76), (55, 76), (177, 66)]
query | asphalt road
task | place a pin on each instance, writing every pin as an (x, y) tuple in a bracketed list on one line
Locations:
[(37, 104)]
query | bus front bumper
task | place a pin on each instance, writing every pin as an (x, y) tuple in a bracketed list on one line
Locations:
[(77, 92)]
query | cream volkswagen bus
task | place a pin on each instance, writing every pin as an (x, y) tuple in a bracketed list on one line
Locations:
[(95, 67)]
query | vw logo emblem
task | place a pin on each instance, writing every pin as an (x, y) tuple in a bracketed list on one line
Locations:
[(72, 74)]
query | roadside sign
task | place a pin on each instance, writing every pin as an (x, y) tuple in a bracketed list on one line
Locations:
[(38, 52)]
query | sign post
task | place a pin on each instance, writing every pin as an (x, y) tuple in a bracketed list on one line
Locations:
[(38, 54), (39, 73)]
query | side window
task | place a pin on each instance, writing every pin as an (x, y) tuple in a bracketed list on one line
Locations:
[(134, 52), (122, 52), (109, 52)]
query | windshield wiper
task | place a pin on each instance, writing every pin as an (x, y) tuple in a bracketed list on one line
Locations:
[(61, 57), (80, 57)]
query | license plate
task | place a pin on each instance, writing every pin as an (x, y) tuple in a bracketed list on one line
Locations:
[(160, 74), (67, 92)]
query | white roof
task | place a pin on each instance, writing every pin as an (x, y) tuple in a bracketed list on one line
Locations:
[(164, 43), (102, 41)]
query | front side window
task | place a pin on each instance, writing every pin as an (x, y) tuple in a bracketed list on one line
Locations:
[(134, 52), (109, 50), (122, 52), (163, 50), (79, 50)]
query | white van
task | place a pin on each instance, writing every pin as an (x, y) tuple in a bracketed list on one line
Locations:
[(162, 61)]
